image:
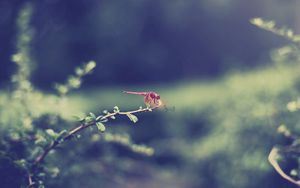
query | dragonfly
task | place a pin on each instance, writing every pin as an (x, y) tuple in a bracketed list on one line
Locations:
[(151, 99)]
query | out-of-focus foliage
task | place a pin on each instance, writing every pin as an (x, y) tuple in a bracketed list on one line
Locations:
[(271, 26), (288, 153), (30, 131)]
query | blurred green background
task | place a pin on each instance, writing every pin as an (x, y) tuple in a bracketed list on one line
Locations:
[(228, 84), (140, 41)]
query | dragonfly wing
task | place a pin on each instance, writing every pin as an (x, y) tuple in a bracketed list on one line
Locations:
[(135, 93)]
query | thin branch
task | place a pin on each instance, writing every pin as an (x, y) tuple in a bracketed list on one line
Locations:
[(30, 182), (272, 159), (81, 127)]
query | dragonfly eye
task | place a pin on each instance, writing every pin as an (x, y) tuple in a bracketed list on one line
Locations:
[(152, 95)]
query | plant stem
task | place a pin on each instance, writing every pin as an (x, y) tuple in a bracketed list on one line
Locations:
[(30, 182), (81, 127)]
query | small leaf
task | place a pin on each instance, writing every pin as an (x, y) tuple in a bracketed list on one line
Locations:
[(78, 118), (92, 115), (88, 119), (77, 136), (51, 133), (74, 82), (79, 71), (132, 118), (116, 109), (52, 171), (104, 120), (90, 66), (100, 126), (40, 140), (61, 135), (63, 132), (294, 172), (61, 89), (98, 118), (22, 163), (41, 174), (37, 151)]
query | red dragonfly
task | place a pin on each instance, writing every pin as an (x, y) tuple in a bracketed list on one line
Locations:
[(151, 98)]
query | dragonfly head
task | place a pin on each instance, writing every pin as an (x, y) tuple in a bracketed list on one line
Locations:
[(154, 95)]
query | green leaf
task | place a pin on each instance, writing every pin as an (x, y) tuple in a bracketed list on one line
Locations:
[(51, 133), (78, 118), (40, 140), (294, 172), (52, 171), (92, 115), (22, 163), (42, 174), (79, 71), (37, 151), (88, 119), (116, 109), (61, 135), (63, 132), (61, 89), (104, 120), (89, 66), (98, 118), (132, 118), (77, 136), (100, 126), (74, 82)]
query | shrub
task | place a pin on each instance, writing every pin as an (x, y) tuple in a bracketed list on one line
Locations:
[(32, 125)]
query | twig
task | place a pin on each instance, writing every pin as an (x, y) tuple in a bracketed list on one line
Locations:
[(30, 182), (81, 127), (272, 159)]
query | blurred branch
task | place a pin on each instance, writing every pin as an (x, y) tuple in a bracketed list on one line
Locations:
[(270, 25), (75, 81), (30, 182), (273, 160)]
